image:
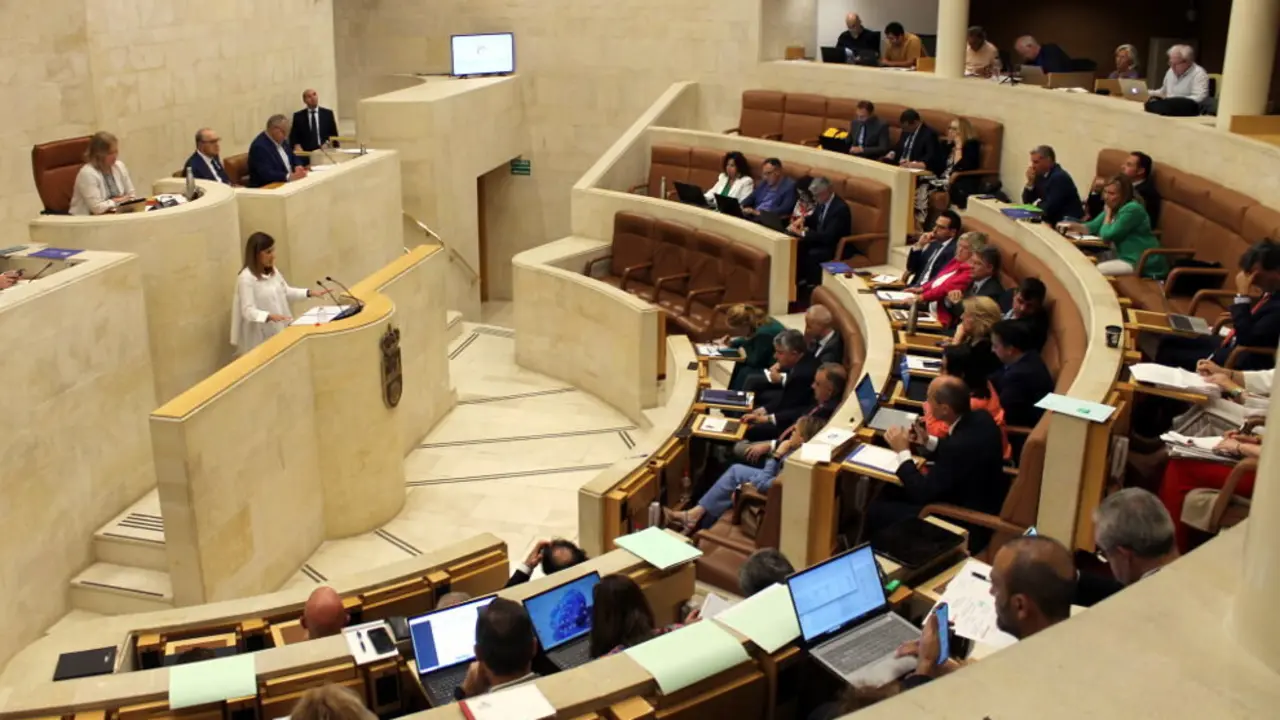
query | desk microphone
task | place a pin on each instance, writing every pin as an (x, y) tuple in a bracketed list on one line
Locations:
[(352, 309), (332, 296)]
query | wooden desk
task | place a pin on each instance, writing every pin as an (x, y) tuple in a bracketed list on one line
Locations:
[(1156, 322), (882, 476), (734, 430), (900, 318), (1186, 397), (739, 357), (897, 397), (925, 343)]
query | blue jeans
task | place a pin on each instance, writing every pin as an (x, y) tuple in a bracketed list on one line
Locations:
[(719, 499)]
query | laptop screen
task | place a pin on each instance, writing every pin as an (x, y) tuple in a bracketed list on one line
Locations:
[(832, 594), (446, 637), (868, 398), (562, 613)]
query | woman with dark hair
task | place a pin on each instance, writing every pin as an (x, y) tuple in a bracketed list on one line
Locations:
[(962, 362), (620, 616), (735, 181), (262, 296)]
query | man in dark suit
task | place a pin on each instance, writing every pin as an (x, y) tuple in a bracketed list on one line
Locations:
[(824, 340), (986, 281), (1050, 187), (795, 371), (1049, 58), (1026, 303), (1137, 167), (868, 134), (313, 125), (270, 160), (934, 250), (552, 555), (206, 161), (828, 390), (917, 147), (826, 225), (858, 40), (1025, 379), (968, 468)]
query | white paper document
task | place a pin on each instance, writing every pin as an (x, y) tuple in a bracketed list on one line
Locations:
[(922, 363), (972, 608), (713, 424), (812, 452), (886, 279), (900, 315), (835, 437), (1091, 411), (318, 315), (523, 702), (1172, 377), (713, 605), (707, 349), (876, 458), (893, 296)]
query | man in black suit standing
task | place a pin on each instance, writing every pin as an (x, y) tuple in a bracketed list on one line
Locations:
[(826, 225), (934, 250), (313, 125), (968, 468), (1025, 379), (206, 161), (868, 134), (986, 281), (794, 370), (917, 147)]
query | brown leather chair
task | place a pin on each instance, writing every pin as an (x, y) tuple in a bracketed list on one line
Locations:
[(746, 280), (761, 115), (706, 276), (55, 166), (755, 522), (805, 117), (631, 256), (670, 273), (705, 166), (870, 204), (237, 168), (666, 161)]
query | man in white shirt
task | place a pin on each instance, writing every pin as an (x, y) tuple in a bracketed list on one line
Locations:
[(1185, 88)]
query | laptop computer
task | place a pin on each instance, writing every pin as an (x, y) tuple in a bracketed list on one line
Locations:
[(444, 644), (772, 220), (562, 621), (85, 663), (914, 543), (834, 55), (1033, 75), (1135, 90), (876, 417), (728, 205), (845, 620), (1190, 324), (691, 194)]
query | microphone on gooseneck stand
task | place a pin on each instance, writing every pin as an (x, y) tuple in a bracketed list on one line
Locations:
[(335, 297), (351, 309)]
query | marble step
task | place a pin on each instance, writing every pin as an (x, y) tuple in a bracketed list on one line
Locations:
[(453, 324), (135, 537), (110, 589)]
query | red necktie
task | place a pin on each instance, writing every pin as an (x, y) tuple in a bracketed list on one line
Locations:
[(1231, 336)]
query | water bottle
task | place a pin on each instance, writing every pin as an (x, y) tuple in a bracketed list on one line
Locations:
[(655, 514), (191, 185), (913, 314)]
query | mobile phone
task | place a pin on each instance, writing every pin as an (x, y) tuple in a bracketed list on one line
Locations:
[(381, 640), (944, 632)]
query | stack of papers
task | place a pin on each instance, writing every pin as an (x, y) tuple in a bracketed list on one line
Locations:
[(767, 618), (1198, 448), (658, 548), (1172, 378), (875, 457), (361, 645), (683, 657), (893, 296), (713, 424), (713, 605), (523, 702), (972, 608), (318, 315)]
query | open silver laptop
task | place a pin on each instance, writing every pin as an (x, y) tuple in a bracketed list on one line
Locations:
[(876, 417), (845, 619), (1135, 90), (1190, 323), (1033, 75)]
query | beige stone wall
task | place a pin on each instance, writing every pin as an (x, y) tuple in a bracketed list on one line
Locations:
[(153, 73)]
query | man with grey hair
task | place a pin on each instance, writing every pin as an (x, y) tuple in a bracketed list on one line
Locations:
[(205, 162), (1049, 58), (764, 567), (777, 411), (826, 225), (270, 159), (1051, 188), (1133, 529), (1185, 88), (824, 340)]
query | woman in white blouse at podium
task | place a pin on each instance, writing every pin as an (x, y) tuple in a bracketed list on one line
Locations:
[(262, 296)]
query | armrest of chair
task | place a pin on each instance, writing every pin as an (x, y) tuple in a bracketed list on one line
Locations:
[(1201, 295), (733, 131), (747, 497), (626, 272), (811, 142), (973, 517), (703, 536), (1228, 491), (635, 188), (980, 172), (664, 280), (874, 245), (586, 270), (773, 136), (1168, 252), (1240, 351), (688, 299)]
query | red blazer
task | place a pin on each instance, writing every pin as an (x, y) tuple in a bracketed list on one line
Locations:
[(955, 276)]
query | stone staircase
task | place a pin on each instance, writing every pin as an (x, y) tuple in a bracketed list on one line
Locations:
[(131, 572)]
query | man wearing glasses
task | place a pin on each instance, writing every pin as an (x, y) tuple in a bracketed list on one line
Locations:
[(206, 161)]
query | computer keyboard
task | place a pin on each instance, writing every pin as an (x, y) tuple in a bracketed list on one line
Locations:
[(571, 656), (440, 689), (859, 649)]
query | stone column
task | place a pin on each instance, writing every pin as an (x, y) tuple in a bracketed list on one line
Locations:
[(1251, 53), (1253, 620), (953, 25)]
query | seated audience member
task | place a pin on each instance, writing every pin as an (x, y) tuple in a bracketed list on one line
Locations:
[(858, 40), (1033, 581), (986, 283), (868, 134), (968, 467), (829, 222), (735, 181), (980, 315), (776, 194), (1049, 58), (927, 649), (934, 250), (330, 702), (324, 615), (270, 159), (955, 276), (756, 331), (820, 333), (901, 48), (1025, 379), (505, 648), (1255, 321), (828, 390), (103, 181), (1126, 63), (816, 397), (917, 147), (620, 616), (450, 599), (1135, 533), (1051, 188), (8, 279), (803, 208), (763, 568), (1185, 88), (1028, 305), (1137, 167), (960, 361), (1127, 228), (206, 161), (981, 58), (313, 125), (719, 499), (963, 152), (554, 556)]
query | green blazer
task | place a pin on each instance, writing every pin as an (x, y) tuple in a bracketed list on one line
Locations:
[(759, 345), (1130, 233)]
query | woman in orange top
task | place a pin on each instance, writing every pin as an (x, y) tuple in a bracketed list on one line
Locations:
[(960, 361)]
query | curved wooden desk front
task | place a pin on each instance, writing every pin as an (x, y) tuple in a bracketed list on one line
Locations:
[(257, 464), (190, 255)]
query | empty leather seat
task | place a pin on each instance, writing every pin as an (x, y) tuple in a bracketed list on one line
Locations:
[(746, 280), (706, 276), (805, 117), (705, 166), (631, 255), (762, 112), (670, 162)]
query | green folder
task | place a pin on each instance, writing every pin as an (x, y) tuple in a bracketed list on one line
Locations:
[(767, 618), (682, 657), (659, 548), (212, 681)]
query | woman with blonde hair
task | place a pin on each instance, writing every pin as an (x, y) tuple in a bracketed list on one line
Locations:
[(103, 182), (1126, 63), (755, 332), (963, 152), (979, 316)]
